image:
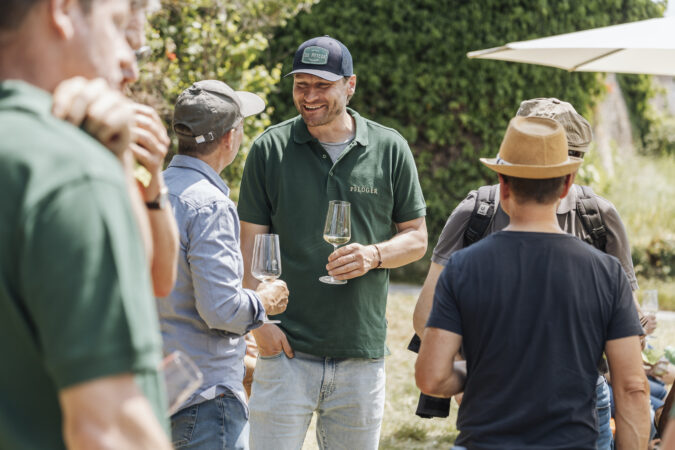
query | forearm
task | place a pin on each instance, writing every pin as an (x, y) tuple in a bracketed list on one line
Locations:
[(426, 299), (632, 417), (234, 310), (406, 246), (165, 250), (107, 413), (453, 384), (247, 240), (137, 204)]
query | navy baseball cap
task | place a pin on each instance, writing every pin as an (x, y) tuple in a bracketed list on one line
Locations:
[(324, 57)]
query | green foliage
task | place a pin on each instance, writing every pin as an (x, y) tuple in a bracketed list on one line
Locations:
[(638, 90), (414, 76), (213, 39)]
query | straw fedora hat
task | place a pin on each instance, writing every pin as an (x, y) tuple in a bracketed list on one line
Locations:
[(533, 147)]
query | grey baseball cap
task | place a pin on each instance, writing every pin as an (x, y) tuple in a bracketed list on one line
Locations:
[(208, 109), (577, 129)]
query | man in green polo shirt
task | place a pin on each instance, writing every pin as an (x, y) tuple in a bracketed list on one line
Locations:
[(79, 335), (326, 355)]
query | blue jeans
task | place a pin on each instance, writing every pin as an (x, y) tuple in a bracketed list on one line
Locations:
[(219, 423), (346, 393), (603, 407)]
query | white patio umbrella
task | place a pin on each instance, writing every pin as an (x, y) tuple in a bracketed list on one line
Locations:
[(646, 47)]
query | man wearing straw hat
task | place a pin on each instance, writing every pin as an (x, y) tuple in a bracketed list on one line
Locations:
[(534, 321)]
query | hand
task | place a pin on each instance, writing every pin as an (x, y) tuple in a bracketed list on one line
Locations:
[(648, 322), (103, 112), (271, 341), (150, 144), (274, 296), (351, 261)]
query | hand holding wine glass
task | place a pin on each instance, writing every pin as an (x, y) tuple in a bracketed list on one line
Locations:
[(266, 267), (650, 304), (337, 231)]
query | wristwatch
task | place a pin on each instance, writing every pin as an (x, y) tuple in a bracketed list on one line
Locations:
[(161, 200)]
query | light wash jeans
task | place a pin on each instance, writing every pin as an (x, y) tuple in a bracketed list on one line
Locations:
[(220, 423), (346, 393), (605, 440)]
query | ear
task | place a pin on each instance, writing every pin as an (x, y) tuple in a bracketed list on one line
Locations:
[(505, 194), (569, 181), (352, 85), (504, 189), (60, 12)]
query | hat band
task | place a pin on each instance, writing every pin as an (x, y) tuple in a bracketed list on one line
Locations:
[(501, 162)]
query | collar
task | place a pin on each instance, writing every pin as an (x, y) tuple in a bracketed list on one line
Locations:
[(301, 134), (17, 94), (196, 164)]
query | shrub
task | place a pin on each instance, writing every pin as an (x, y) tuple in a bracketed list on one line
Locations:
[(413, 74)]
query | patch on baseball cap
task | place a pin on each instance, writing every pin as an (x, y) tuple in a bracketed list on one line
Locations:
[(314, 55)]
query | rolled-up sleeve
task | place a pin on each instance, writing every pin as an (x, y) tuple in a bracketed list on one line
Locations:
[(216, 266)]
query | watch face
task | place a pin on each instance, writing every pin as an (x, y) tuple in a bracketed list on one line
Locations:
[(163, 199)]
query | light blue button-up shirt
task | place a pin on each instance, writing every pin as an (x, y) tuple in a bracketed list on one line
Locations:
[(208, 311)]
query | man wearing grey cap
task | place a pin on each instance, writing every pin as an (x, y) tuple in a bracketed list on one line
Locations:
[(208, 311), (614, 242), (326, 355)]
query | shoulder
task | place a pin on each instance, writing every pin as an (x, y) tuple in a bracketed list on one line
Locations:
[(280, 131), (380, 134)]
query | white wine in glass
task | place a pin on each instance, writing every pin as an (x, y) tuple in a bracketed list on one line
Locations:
[(266, 263), (337, 231)]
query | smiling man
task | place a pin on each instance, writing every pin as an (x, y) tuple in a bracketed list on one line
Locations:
[(327, 353)]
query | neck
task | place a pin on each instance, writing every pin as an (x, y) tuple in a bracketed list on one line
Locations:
[(340, 129), (31, 55), (534, 217)]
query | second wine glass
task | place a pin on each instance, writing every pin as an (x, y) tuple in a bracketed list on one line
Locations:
[(337, 231), (266, 261)]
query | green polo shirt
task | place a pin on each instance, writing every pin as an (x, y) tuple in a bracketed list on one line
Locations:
[(75, 296), (287, 183)]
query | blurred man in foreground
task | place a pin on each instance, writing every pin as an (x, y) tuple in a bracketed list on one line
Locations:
[(79, 330)]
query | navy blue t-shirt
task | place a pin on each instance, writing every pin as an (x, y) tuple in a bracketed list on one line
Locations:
[(534, 311)]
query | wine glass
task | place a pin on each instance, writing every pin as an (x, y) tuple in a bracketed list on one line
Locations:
[(650, 301), (650, 304), (182, 378), (266, 263), (337, 231)]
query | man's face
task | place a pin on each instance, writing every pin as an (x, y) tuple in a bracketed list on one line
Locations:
[(100, 47), (135, 35), (320, 101)]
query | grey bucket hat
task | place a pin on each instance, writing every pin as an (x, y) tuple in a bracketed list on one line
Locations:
[(577, 129)]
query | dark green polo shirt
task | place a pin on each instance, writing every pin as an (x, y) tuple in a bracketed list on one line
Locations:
[(287, 183), (75, 295)]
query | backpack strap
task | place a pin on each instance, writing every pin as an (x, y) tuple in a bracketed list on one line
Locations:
[(481, 217), (589, 214)]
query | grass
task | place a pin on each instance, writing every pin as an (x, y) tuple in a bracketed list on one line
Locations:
[(642, 191)]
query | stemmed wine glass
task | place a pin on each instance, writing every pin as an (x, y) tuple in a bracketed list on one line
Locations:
[(266, 263), (650, 303), (182, 378), (337, 231)]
